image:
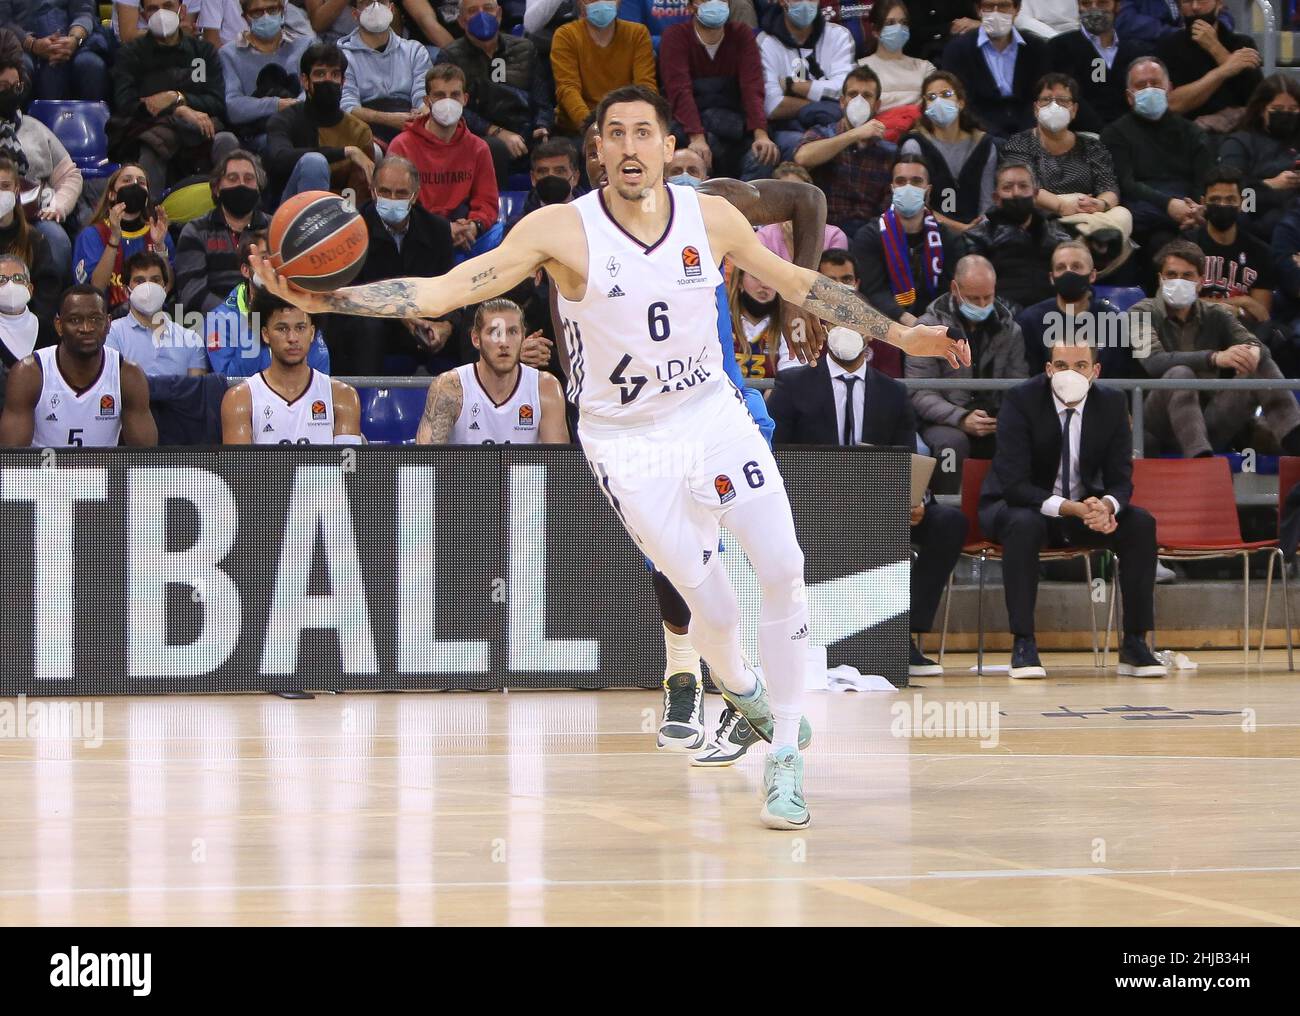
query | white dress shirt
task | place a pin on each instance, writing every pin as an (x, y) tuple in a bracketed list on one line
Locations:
[(1052, 506), (840, 389), (1107, 53)]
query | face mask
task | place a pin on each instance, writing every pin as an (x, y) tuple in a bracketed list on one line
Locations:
[(238, 201), (942, 112), (392, 211), (9, 102), (163, 23), (1283, 124), (1070, 386), (553, 190), (1054, 118), (754, 308), (973, 313), (845, 344), (713, 13), (1221, 216), (483, 26), (996, 26), (1178, 293), (894, 37), (7, 201), (858, 111), (267, 26), (376, 18), (685, 180), (148, 298), (1071, 285), (1150, 103), (134, 197), (908, 200), (601, 15), (1097, 22), (1016, 210), (446, 112), (801, 14), (325, 97), (14, 297)]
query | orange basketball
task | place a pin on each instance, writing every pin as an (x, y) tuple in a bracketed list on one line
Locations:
[(318, 241)]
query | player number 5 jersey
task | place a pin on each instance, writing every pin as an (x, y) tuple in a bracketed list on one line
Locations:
[(67, 418), (644, 336)]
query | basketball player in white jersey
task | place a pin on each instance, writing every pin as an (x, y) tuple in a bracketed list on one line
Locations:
[(497, 399), (635, 265), (289, 402), (78, 393)]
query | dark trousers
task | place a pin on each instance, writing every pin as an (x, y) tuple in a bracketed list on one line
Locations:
[(1023, 532), (938, 539)]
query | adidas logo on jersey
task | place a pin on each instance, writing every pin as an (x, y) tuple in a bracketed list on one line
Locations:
[(474, 425), (268, 428), (616, 291), (54, 417), (802, 633), (707, 554)]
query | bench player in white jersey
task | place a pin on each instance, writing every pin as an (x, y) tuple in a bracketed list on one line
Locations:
[(78, 393), (635, 265), (289, 402), (496, 399)]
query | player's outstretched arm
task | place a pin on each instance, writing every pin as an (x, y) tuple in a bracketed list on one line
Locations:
[(441, 409), (836, 304), (522, 252)]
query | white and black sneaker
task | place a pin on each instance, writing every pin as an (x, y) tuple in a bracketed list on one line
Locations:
[(920, 665), (730, 742), (1137, 660), (682, 728)]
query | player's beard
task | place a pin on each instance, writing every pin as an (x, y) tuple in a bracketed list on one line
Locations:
[(638, 192)]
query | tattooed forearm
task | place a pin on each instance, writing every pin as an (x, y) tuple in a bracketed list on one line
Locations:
[(836, 304), (483, 279), (399, 298), (441, 409)]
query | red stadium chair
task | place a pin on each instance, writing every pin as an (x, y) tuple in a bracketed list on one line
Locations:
[(1288, 475), (981, 548), (1195, 509)]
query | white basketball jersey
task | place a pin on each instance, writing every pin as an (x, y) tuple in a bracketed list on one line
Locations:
[(67, 418), (644, 336), (482, 421), (308, 419)]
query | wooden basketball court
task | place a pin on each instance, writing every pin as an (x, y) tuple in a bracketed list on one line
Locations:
[(1094, 800)]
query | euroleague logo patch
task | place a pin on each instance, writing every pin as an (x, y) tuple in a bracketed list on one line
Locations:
[(107, 406), (691, 262), (525, 416), (725, 488), (318, 410)]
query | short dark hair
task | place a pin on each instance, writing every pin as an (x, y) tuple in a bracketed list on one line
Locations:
[(145, 259), (1010, 164), (246, 240), (445, 72), (634, 93), (1054, 79), (1222, 173), (838, 256), (554, 148), (1184, 249), (83, 289), (865, 74), (238, 155), (322, 54), (266, 305), (910, 159)]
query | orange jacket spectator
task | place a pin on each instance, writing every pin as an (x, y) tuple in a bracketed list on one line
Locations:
[(585, 71)]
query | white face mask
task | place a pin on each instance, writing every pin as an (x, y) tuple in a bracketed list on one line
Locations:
[(1070, 386), (148, 298), (7, 201), (858, 111), (446, 112), (376, 18), (845, 344), (996, 25), (1178, 293), (1054, 118), (14, 297), (163, 23)]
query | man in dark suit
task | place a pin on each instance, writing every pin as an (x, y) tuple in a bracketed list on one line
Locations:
[(999, 67), (1101, 95), (844, 401), (1044, 491)]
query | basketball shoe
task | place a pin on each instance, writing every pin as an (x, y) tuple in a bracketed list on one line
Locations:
[(682, 728), (731, 740), (756, 708), (784, 806)]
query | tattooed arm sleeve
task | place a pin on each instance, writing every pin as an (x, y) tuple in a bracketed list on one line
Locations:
[(441, 409)]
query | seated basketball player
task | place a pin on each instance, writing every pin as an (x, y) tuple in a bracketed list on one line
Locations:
[(78, 393), (497, 399), (289, 402)]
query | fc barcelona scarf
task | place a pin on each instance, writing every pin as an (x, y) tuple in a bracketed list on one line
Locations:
[(899, 264)]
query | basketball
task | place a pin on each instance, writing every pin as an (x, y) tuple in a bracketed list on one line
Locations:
[(318, 241)]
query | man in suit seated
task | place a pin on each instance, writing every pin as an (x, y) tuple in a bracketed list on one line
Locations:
[(1044, 491), (841, 400)]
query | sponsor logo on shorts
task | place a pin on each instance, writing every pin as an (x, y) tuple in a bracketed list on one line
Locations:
[(802, 633), (691, 262), (725, 488), (525, 415), (107, 406), (318, 409)]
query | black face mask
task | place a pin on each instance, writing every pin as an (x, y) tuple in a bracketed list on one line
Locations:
[(553, 190), (1283, 124), (1221, 216), (1014, 210), (135, 197), (325, 98), (9, 102), (238, 201), (754, 308), (1071, 286)]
